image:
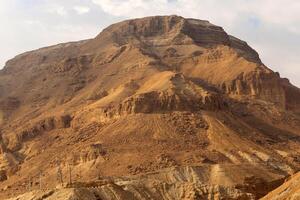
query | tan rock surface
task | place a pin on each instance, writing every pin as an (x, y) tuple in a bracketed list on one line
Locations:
[(290, 189), (145, 97)]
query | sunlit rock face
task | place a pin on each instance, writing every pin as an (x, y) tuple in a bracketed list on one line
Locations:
[(159, 107)]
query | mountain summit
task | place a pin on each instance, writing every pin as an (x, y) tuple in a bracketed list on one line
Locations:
[(154, 108)]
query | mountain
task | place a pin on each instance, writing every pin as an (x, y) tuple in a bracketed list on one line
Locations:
[(154, 108)]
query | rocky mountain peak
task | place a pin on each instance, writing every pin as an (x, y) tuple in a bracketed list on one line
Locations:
[(167, 30), (159, 31)]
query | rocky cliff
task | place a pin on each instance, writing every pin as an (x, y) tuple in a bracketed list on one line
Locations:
[(164, 107)]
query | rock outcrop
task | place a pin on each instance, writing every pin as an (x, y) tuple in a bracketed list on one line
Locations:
[(174, 183), (290, 189)]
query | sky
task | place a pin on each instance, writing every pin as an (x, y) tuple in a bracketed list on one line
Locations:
[(272, 27)]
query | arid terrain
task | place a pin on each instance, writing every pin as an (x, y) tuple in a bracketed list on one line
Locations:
[(155, 108)]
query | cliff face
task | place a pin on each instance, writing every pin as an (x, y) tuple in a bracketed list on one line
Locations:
[(145, 96)]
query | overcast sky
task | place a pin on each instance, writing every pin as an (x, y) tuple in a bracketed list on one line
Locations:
[(272, 27)]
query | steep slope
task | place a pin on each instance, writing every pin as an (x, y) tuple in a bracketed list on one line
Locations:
[(288, 190), (143, 97)]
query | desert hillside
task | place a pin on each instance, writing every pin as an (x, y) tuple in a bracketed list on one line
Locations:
[(154, 108)]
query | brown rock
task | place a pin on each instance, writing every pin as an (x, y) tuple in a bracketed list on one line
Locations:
[(192, 110)]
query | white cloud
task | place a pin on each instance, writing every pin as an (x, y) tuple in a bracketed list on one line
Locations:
[(133, 8), (32, 22), (58, 9), (81, 9), (283, 12)]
